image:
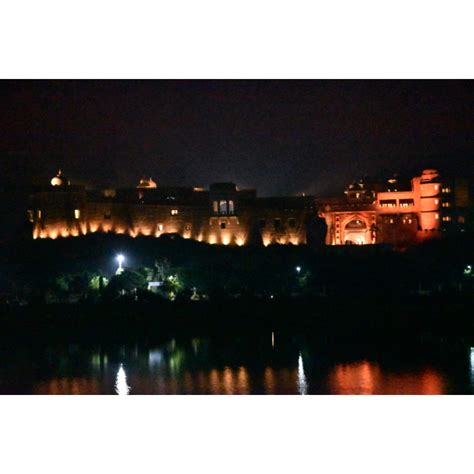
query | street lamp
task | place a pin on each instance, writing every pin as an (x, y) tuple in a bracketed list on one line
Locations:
[(298, 269), (120, 260)]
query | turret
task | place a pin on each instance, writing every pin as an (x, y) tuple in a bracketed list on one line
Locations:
[(429, 200)]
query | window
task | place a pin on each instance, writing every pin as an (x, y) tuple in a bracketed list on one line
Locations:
[(160, 227), (446, 204), (388, 203), (231, 207), (446, 190), (174, 212), (188, 226), (436, 187), (223, 225), (39, 214), (436, 216), (77, 213), (222, 207), (391, 221), (357, 195), (107, 216), (215, 207), (446, 218), (277, 224), (461, 219), (292, 223), (261, 223), (406, 202), (436, 202)]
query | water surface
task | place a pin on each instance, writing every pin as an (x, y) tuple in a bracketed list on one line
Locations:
[(264, 364)]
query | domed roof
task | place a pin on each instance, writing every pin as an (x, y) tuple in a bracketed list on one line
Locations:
[(146, 183), (59, 180), (429, 175)]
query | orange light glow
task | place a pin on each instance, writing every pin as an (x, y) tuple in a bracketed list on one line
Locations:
[(243, 384), (228, 379), (240, 240), (226, 239)]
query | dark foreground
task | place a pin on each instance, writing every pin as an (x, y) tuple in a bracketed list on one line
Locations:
[(359, 345)]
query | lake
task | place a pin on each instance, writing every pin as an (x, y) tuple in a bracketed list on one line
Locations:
[(267, 363)]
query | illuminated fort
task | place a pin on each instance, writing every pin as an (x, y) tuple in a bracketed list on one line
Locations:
[(223, 214), (396, 211)]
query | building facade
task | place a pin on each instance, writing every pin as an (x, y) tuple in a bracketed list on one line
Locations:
[(223, 214), (399, 211)]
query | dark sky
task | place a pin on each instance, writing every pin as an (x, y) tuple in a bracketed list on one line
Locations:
[(278, 136)]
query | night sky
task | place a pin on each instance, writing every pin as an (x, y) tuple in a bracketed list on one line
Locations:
[(282, 137)]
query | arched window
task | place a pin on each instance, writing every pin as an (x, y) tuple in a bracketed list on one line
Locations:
[(231, 207), (222, 207)]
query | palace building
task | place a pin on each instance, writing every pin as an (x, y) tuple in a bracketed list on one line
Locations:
[(223, 214), (395, 211), (398, 211)]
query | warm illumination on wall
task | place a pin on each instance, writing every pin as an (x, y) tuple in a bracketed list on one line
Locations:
[(240, 240), (226, 239), (212, 239), (295, 240)]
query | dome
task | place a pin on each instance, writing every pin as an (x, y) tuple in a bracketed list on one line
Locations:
[(429, 175), (146, 183), (59, 180)]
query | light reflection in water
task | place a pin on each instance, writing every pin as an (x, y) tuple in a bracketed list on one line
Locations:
[(302, 385), (269, 380), (243, 383), (121, 386), (366, 378), (172, 368), (228, 378), (155, 357), (472, 368)]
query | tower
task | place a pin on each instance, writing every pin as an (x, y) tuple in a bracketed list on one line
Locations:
[(429, 200)]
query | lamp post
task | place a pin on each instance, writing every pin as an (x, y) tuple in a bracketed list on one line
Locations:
[(298, 269), (120, 260)]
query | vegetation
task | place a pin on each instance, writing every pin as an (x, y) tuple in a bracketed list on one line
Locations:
[(175, 269)]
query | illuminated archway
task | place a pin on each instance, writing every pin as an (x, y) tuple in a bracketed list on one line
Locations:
[(356, 231)]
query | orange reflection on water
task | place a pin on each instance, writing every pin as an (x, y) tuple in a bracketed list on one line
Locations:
[(214, 382), (243, 383), (366, 378), (269, 382), (68, 386), (360, 378), (228, 379)]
